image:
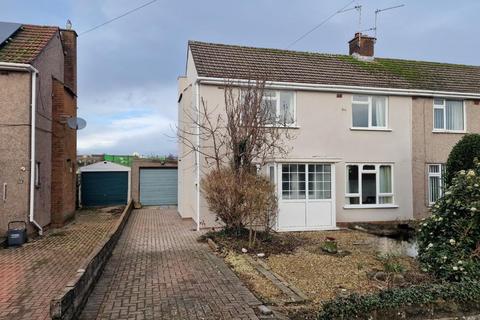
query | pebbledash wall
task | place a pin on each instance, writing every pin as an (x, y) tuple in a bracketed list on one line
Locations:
[(15, 91)]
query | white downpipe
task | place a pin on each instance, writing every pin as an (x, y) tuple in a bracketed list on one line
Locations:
[(32, 152), (197, 151), (34, 73)]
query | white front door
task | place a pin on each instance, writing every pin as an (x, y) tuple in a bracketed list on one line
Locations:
[(306, 196)]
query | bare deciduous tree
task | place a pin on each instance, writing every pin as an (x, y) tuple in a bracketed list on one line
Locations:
[(242, 132), (245, 132)]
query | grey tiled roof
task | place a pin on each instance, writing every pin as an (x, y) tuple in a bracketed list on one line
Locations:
[(238, 62)]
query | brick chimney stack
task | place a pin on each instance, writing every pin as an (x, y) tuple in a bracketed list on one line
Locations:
[(362, 45), (69, 42)]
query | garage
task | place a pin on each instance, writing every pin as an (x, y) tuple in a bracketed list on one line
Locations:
[(306, 198), (158, 186), (104, 184)]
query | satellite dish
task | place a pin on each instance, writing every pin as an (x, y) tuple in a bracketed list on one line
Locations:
[(76, 123)]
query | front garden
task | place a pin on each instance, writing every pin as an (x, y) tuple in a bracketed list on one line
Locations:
[(362, 263), (348, 274)]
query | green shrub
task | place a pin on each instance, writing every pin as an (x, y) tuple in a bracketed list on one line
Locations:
[(449, 240), (362, 306), (462, 156)]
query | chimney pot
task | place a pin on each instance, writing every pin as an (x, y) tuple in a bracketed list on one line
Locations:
[(362, 45)]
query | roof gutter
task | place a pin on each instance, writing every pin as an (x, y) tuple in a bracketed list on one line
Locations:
[(34, 73), (344, 89)]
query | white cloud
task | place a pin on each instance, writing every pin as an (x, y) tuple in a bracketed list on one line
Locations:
[(138, 120)]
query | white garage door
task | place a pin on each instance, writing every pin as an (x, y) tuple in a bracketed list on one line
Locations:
[(306, 196)]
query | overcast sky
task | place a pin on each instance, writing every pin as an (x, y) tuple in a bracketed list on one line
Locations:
[(127, 70)]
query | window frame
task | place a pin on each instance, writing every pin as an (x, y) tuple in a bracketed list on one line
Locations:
[(443, 107), (37, 175), (277, 107), (307, 197), (440, 174), (370, 115), (378, 194)]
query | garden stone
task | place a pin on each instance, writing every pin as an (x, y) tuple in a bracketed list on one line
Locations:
[(265, 310), (381, 276)]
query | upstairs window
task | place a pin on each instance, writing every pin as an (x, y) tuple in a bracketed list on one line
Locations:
[(280, 107), (369, 112), (448, 115)]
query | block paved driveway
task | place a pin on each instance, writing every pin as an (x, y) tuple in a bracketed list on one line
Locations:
[(30, 276), (158, 270)]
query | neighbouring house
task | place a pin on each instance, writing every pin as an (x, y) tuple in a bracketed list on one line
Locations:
[(372, 134), (104, 183), (38, 94)]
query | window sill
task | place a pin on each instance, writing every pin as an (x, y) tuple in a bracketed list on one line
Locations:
[(370, 206), (282, 127), (449, 131), (370, 129)]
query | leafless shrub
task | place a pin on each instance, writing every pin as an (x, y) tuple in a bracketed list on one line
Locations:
[(241, 199)]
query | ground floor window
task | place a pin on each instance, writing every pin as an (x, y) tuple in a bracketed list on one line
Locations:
[(435, 182), (300, 181), (369, 184)]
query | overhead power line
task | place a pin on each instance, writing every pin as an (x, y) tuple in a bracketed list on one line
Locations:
[(118, 17), (320, 24)]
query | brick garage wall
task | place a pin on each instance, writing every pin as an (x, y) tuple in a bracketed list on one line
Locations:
[(64, 155)]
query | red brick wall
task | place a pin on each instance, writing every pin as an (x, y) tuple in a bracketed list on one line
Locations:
[(64, 154), (69, 42)]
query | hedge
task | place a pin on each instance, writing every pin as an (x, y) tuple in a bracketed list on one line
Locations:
[(390, 301), (462, 156)]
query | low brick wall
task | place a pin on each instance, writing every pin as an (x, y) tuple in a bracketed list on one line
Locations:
[(69, 303)]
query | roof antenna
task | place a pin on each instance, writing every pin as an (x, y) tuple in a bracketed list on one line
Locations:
[(68, 25), (379, 11), (359, 11)]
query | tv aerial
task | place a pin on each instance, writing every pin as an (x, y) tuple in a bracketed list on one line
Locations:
[(379, 11), (76, 123), (358, 8)]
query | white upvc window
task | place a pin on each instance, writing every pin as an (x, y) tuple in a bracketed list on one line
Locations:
[(302, 181), (435, 182), (448, 115), (369, 112), (280, 106), (369, 185)]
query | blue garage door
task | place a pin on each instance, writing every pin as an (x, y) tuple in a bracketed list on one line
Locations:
[(158, 187), (104, 188)]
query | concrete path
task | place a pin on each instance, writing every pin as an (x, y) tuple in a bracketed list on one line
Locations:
[(159, 271)]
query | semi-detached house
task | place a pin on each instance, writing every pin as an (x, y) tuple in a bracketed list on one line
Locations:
[(38, 94), (372, 134)]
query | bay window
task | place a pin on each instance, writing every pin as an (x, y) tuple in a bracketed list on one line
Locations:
[(280, 107), (448, 115), (369, 112), (369, 184)]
